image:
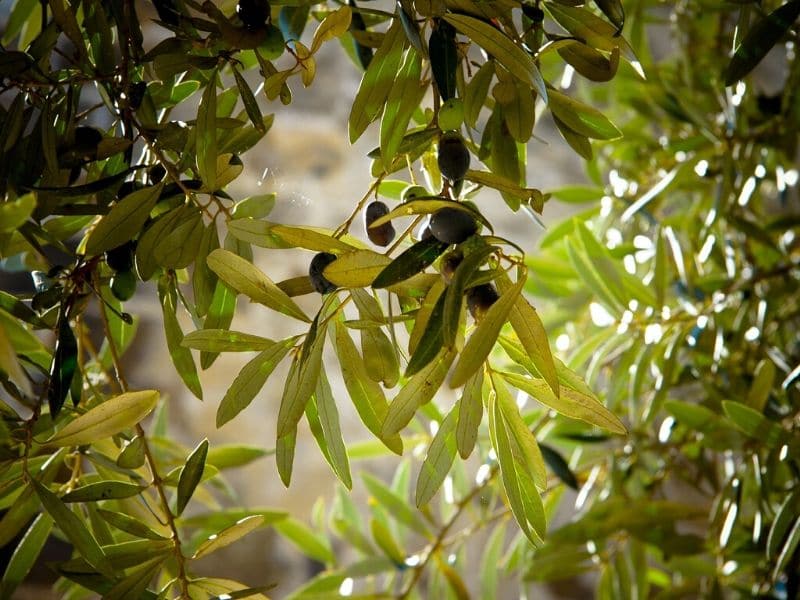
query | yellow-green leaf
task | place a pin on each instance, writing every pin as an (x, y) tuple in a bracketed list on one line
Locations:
[(229, 535), (333, 25), (123, 221), (581, 118), (109, 418)]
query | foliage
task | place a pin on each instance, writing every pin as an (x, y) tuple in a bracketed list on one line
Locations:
[(675, 295)]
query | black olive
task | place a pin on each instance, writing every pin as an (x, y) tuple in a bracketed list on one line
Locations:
[(534, 13), (382, 235), (123, 285), (156, 173), (315, 269), (452, 226), (121, 258), (480, 298), (453, 157), (253, 13), (449, 264), (136, 92)]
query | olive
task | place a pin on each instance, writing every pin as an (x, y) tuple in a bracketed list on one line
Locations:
[(451, 114), (136, 92), (452, 226), (449, 264), (453, 157), (121, 258), (534, 13), (253, 13), (315, 269), (123, 285), (273, 44), (480, 298), (382, 235), (128, 187), (156, 173), (413, 192)]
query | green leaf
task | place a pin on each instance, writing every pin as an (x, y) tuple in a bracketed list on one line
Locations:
[(417, 391), (570, 402), (250, 380), (490, 560), (64, 365), (303, 380), (386, 542), (25, 555), (135, 582), (134, 526), (432, 339), (403, 99), (328, 416), (759, 40), (438, 460), (396, 507), (582, 118), (190, 476), (224, 340), (102, 490), (180, 355), (125, 219), (356, 269), (311, 544), (559, 466), (589, 62), (246, 278), (380, 356), (273, 235), (579, 143), (284, 452), (74, 529), (220, 316), (14, 213), (754, 424), (206, 134), (229, 535), (531, 333), (482, 340), (132, 455), (376, 82), (109, 418), (509, 54), (229, 456), (476, 93), (788, 512), (470, 414), (763, 381), (178, 248), (366, 394), (249, 101), (410, 262)]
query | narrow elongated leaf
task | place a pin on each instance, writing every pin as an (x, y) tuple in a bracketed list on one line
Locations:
[(250, 380), (244, 277), (25, 555), (249, 101), (559, 466), (377, 81), (476, 93), (472, 261), (229, 456), (74, 529), (219, 316), (109, 418), (129, 524), (417, 391), (533, 337), (311, 544), (331, 431), (123, 221), (303, 380), (335, 24), (582, 118), (103, 490), (229, 535), (759, 40), (754, 424), (223, 340), (284, 454), (135, 582), (431, 341), (396, 506), (367, 395), (191, 474), (403, 99), (63, 365), (410, 262), (438, 460), (470, 413), (206, 134), (380, 356), (485, 335), (356, 269), (181, 356), (570, 403), (518, 62)]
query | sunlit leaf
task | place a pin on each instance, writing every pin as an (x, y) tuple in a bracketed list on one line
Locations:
[(229, 535)]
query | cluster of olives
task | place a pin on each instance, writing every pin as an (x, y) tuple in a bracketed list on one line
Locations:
[(479, 297), (120, 260)]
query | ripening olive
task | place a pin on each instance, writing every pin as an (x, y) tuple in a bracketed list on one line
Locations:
[(315, 269), (123, 285), (452, 226), (413, 192), (449, 264), (121, 258), (273, 45), (453, 157), (480, 298), (451, 114), (253, 13), (382, 235)]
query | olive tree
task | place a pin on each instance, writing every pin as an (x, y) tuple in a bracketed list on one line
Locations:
[(672, 295)]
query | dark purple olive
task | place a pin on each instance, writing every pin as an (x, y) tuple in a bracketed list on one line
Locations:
[(453, 157), (534, 13), (121, 258), (315, 269), (253, 13), (449, 264), (136, 92), (452, 226), (480, 298), (156, 173), (382, 235)]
